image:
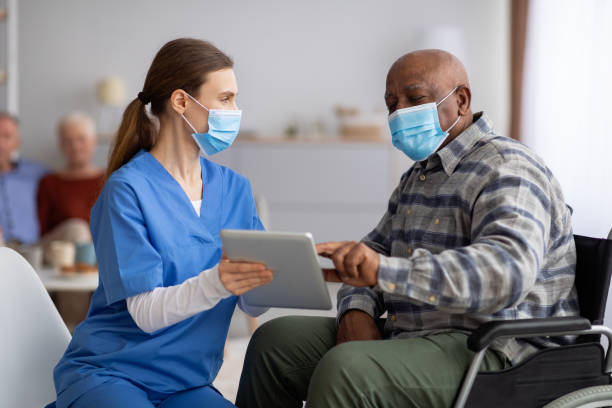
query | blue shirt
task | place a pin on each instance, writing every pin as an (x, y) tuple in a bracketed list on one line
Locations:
[(18, 215), (147, 235)]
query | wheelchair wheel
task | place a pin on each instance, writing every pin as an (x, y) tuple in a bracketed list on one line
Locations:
[(591, 397)]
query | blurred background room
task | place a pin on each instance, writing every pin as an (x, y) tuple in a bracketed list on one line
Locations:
[(314, 139)]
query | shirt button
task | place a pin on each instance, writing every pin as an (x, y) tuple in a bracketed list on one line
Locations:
[(393, 318), (422, 177), (392, 286), (408, 212), (409, 251), (432, 299), (437, 221)]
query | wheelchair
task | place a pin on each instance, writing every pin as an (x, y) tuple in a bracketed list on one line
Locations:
[(577, 375)]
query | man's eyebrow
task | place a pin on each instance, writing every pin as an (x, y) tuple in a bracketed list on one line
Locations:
[(413, 86), (227, 93), (408, 88)]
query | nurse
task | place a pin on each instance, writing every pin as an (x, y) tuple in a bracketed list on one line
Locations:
[(156, 328)]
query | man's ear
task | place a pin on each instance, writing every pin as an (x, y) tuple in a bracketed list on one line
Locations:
[(178, 101), (464, 99)]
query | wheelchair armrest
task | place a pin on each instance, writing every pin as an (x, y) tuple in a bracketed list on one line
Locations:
[(484, 335)]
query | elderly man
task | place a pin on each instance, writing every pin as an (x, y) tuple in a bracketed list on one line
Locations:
[(18, 183), (477, 230)]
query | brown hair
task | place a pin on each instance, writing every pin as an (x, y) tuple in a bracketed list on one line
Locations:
[(180, 64)]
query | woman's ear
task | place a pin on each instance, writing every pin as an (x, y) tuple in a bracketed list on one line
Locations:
[(178, 101), (464, 99)]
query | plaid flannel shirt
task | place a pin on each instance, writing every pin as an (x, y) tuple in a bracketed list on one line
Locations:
[(478, 232)]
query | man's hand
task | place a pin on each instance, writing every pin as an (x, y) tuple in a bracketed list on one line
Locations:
[(356, 263), (357, 325)]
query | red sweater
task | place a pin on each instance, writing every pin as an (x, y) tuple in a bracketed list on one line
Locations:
[(60, 199)]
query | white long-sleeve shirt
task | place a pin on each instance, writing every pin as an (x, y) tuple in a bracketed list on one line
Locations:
[(165, 306)]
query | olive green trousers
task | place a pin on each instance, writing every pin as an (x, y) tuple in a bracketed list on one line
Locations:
[(295, 359)]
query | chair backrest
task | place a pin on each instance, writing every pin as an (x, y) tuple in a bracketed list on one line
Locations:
[(34, 337), (593, 271)]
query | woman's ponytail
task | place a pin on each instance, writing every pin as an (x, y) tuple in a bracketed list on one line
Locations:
[(183, 64), (135, 133)]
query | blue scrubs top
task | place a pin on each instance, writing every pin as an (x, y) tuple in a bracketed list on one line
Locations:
[(147, 234)]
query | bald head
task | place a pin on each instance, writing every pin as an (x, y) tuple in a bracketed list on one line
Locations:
[(426, 76), (437, 67)]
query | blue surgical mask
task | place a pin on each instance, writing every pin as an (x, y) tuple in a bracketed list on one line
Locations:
[(416, 130), (223, 126)]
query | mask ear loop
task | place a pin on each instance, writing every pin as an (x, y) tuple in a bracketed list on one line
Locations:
[(183, 116), (189, 123), (198, 102), (453, 125), (443, 99), (450, 93)]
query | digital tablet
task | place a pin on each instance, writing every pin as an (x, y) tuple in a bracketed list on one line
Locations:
[(298, 281)]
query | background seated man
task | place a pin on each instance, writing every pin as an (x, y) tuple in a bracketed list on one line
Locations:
[(477, 230), (18, 183), (65, 199)]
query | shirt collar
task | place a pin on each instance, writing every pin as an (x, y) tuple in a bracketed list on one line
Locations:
[(451, 154), (15, 164)]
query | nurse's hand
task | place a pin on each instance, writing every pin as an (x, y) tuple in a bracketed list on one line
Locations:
[(356, 263), (240, 277)]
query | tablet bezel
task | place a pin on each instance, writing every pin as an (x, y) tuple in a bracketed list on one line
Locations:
[(287, 289)]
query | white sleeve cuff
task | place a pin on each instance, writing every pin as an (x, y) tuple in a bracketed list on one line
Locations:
[(165, 306), (211, 283)]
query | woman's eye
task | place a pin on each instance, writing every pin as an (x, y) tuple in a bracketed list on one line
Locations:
[(416, 98)]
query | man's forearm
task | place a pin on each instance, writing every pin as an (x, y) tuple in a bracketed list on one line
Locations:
[(365, 299)]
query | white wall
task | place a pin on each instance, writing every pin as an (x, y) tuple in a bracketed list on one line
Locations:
[(566, 103), (294, 60)]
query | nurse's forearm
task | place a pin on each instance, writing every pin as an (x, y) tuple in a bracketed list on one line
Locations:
[(165, 306)]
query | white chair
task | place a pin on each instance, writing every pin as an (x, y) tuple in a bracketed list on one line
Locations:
[(33, 339)]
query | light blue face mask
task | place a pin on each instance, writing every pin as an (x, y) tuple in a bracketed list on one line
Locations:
[(416, 130), (223, 126)]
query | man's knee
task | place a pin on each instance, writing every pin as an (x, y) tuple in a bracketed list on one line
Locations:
[(343, 360), (339, 377)]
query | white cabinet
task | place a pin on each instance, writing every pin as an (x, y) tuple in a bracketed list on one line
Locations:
[(335, 190)]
